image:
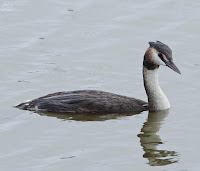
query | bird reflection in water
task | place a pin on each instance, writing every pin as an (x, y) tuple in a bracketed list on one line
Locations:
[(85, 117), (148, 136), (150, 141)]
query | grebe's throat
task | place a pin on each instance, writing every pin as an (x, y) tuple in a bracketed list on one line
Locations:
[(156, 98)]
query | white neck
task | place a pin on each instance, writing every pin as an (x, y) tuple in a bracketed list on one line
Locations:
[(156, 98)]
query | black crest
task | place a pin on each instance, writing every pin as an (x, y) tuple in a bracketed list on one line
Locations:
[(163, 48)]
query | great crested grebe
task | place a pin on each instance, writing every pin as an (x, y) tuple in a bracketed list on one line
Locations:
[(99, 102)]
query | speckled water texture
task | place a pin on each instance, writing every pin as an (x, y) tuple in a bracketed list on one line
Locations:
[(49, 46)]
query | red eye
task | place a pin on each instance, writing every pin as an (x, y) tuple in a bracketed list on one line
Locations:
[(160, 55)]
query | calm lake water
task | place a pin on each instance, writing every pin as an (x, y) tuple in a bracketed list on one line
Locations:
[(49, 46)]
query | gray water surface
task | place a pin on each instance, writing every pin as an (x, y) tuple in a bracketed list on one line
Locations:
[(50, 46)]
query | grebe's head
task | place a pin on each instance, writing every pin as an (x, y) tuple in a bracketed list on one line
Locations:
[(159, 54)]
